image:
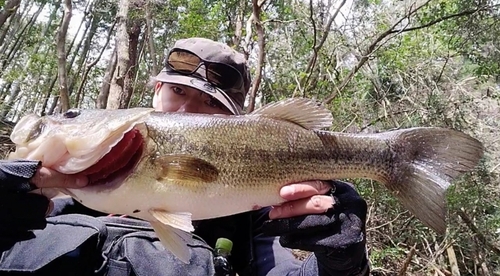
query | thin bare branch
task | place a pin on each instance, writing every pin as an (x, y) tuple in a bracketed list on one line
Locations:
[(407, 262), (455, 271), (316, 48), (369, 51), (446, 17), (478, 232)]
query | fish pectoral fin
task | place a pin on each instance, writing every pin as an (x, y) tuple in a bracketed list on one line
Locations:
[(186, 168), (181, 220), (174, 240), (301, 111)]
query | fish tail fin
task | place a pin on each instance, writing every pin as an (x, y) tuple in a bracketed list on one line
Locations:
[(429, 160)]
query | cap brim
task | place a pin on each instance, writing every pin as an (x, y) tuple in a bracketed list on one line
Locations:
[(202, 85)]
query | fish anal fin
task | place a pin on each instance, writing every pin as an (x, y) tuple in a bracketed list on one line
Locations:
[(186, 168), (180, 220), (301, 111), (174, 240)]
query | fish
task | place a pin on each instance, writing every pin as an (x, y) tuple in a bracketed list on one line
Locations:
[(171, 169)]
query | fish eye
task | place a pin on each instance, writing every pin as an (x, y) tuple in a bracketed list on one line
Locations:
[(36, 131), (71, 113)]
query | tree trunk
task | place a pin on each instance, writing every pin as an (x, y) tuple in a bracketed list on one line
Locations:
[(13, 25), (5, 89), (61, 56), (150, 39), (9, 9), (44, 75), (118, 83), (89, 67), (260, 63), (134, 34), (5, 31), (238, 24), (16, 88), (86, 40), (37, 47), (102, 99), (47, 97), (127, 41), (6, 59), (14, 92), (70, 50)]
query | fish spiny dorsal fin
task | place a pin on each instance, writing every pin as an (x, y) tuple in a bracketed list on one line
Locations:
[(301, 111)]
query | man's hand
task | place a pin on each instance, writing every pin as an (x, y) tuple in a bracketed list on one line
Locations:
[(25, 192), (26, 175), (328, 219), (48, 178), (303, 199), (47, 181)]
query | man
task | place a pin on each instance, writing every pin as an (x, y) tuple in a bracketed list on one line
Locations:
[(200, 76)]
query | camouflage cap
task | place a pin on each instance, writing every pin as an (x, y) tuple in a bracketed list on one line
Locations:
[(232, 98)]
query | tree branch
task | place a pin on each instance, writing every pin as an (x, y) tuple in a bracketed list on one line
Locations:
[(316, 48), (407, 261), (392, 30), (436, 21), (248, 36), (476, 231), (368, 52)]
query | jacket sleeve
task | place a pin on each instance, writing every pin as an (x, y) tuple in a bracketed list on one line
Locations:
[(19, 210), (15, 175), (274, 260)]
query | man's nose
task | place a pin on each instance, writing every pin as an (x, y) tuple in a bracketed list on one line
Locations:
[(189, 106)]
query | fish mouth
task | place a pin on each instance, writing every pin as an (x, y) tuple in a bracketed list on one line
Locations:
[(116, 165)]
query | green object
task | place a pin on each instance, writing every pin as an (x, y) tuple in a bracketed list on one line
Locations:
[(224, 245)]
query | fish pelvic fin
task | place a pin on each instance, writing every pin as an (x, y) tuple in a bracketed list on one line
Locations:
[(429, 160), (173, 230), (301, 111)]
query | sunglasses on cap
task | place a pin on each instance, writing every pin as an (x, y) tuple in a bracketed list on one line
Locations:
[(219, 74)]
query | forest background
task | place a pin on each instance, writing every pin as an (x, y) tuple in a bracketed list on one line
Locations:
[(376, 64)]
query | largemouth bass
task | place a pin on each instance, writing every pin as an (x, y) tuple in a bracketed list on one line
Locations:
[(172, 168)]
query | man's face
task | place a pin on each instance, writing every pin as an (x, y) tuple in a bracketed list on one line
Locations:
[(180, 98)]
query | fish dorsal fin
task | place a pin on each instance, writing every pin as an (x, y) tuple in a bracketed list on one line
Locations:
[(301, 111)]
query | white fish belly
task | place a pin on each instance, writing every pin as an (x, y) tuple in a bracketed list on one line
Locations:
[(214, 201)]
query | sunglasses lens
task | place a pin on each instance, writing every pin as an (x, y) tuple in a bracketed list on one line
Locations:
[(223, 76), (183, 62)]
